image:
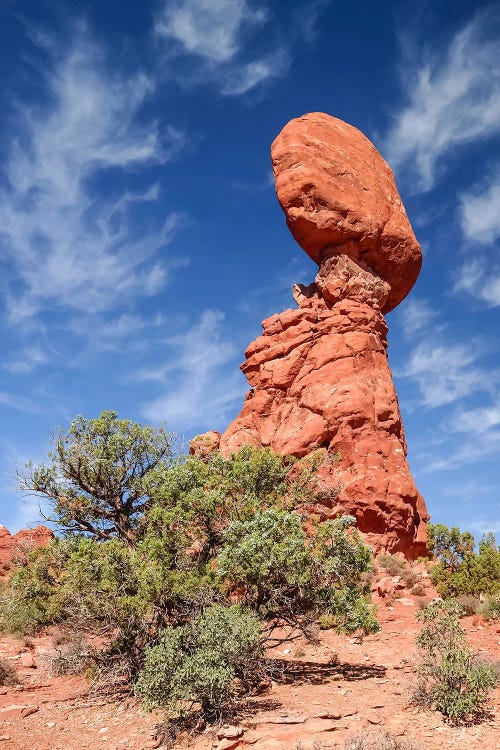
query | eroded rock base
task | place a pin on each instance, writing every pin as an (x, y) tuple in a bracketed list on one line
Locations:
[(320, 380)]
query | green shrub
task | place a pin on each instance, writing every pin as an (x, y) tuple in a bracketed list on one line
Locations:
[(397, 566), (200, 663), (8, 675), (277, 573), (379, 741), (470, 605), (28, 601), (450, 546), (418, 589), (460, 570), (490, 609), (450, 677), (204, 533), (71, 655), (327, 621), (96, 477), (393, 565)]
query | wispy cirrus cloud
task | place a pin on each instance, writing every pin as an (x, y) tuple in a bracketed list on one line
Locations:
[(477, 421), (222, 39), (480, 211), (211, 29), (470, 450), (198, 389), (19, 403), (446, 372), (479, 277), (453, 99), (485, 525), (466, 437), (66, 242), (415, 316), (27, 360)]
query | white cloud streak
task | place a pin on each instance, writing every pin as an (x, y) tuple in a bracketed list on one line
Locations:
[(241, 79), (66, 245), (445, 372), (215, 34), (199, 392), (480, 211), (211, 29), (29, 359), (19, 403), (478, 421), (453, 100), (473, 449), (415, 316), (479, 277), (485, 526), (472, 436)]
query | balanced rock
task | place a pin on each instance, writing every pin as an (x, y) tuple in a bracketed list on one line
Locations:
[(339, 195), (319, 376)]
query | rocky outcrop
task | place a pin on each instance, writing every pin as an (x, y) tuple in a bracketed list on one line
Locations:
[(319, 376), (13, 546)]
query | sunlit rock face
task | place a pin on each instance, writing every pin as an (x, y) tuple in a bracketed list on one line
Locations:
[(339, 196), (14, 546), (319, 376)]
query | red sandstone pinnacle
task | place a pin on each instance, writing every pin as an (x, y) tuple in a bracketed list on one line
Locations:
[(339, 196), (14, 545), (319, 376), (320, 380)]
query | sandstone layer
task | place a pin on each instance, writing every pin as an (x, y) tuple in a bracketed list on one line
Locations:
[(319, 375), (16, 545)]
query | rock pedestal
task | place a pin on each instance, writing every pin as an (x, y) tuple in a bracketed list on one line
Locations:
[(319, 376), (320, 379)]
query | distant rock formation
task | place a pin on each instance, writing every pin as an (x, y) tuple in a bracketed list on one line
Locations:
[(17, 545), (319, 374)]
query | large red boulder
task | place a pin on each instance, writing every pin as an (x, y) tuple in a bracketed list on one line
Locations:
[(339, 195)]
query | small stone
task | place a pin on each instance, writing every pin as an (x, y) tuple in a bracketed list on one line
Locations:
[(227, 744), (50, 724), (335, 715), (230, 732), (374, 718), (29, 710), (27, 660)]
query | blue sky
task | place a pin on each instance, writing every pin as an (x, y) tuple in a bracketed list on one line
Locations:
[(141, 242)]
